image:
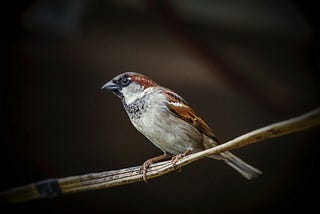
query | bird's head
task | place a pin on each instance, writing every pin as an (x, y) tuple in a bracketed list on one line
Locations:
[(129, 86)]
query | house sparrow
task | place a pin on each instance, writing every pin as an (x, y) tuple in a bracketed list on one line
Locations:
[(168, 121)]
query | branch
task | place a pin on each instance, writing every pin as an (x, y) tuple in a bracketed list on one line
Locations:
[(54, 187)]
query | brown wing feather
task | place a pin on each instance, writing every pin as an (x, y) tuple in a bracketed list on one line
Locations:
[(180, 108)]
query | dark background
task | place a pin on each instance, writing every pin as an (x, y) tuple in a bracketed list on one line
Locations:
[(240, 64)]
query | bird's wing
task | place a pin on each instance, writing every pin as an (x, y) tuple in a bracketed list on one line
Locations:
[(179, 107)]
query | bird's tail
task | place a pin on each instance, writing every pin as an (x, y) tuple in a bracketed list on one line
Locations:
[(239, 165)]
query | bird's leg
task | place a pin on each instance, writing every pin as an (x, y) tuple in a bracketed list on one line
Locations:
[(175, 159), (148, 162)]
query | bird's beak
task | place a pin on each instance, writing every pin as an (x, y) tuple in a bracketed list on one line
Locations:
[(110, 86)]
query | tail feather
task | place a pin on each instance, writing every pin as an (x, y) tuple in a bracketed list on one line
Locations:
[(239, 165)]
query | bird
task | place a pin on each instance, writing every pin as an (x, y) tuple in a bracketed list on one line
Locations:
[(167, 120)]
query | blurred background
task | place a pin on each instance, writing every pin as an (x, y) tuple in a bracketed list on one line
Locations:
[(241, 64)]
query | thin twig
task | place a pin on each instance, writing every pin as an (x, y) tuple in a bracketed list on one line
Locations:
[(93, 181)]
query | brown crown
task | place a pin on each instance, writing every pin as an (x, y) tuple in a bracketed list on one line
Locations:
[(143, 80)]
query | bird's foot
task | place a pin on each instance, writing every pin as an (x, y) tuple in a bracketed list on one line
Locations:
[(176, 158), (147, 163), (144, 168)]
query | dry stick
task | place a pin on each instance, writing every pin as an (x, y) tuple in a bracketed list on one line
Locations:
[(53, 187)]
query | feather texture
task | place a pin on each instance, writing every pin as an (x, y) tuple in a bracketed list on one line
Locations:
[(168, 121), (181, 109)]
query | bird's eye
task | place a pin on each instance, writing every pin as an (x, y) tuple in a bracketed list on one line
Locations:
[(124, 81)]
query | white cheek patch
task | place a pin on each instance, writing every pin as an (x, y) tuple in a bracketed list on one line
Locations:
[(134, 92), (129, 96)]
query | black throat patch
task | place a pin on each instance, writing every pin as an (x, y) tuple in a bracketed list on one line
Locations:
[(135, 109)]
